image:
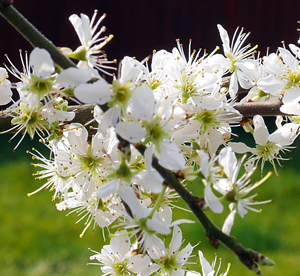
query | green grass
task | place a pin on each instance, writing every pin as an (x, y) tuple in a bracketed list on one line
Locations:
[(38, 240)]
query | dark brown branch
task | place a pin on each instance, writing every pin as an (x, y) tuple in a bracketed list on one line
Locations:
[(264, 109)]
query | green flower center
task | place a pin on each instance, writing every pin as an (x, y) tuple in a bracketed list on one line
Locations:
[(155, 132), (39, 86), (187, 88), (293, 78), (154, 83), (89, 162), (267, 152), (121, 95), (233, 60), (121, 269), (32, 120), (207, 119), (168, 264)]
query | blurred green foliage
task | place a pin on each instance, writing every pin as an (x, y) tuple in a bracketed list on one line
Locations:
[(38, 240)]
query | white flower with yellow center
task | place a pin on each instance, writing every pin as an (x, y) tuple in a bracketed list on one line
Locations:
[(234, 189), (268, 146), (147, 125), (116, 259), (90, 53), (207, 268), (209, 123), (171, 261), (235, 53)]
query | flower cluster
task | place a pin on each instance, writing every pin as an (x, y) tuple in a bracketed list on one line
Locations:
[(180, 109)]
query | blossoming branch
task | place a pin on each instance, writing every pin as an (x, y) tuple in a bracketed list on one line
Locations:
[(158, 126)]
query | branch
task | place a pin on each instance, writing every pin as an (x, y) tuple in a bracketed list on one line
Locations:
[(264, 109)]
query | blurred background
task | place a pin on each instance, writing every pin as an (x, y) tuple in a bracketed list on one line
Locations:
[(144, 25), (37, 240)]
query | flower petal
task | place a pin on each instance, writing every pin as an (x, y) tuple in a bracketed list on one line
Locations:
[(171, 156), (108, 188), (41, 63), (97, 92), (212, 201), (130, 131)]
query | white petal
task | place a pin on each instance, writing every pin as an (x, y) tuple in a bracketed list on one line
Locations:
[(212, 201), (73, 76), (228, 161), (192, 273), (5, 92), (103, 219), (206, 267), (52, 115), (261, 132), (239, 147), (109, 119), (81, 26), (291, 95), (108, 188), (3, 74), (295, 50), (233, 86), (207, 102), (249, 165), (288, 58), (143, 103), (130, 131), (131, 69), (241, 209), (272, 65), (292, 108), (137, 263), (150, 180), (171, 156), (158, 227), (41, 62), (272, 85), (229, 222), (97, 92), (131, 200), (77, 137), (120, 244), (180, 221), (204, 161), (285, 135), (176, 239), (185, 254), (225, 38)]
